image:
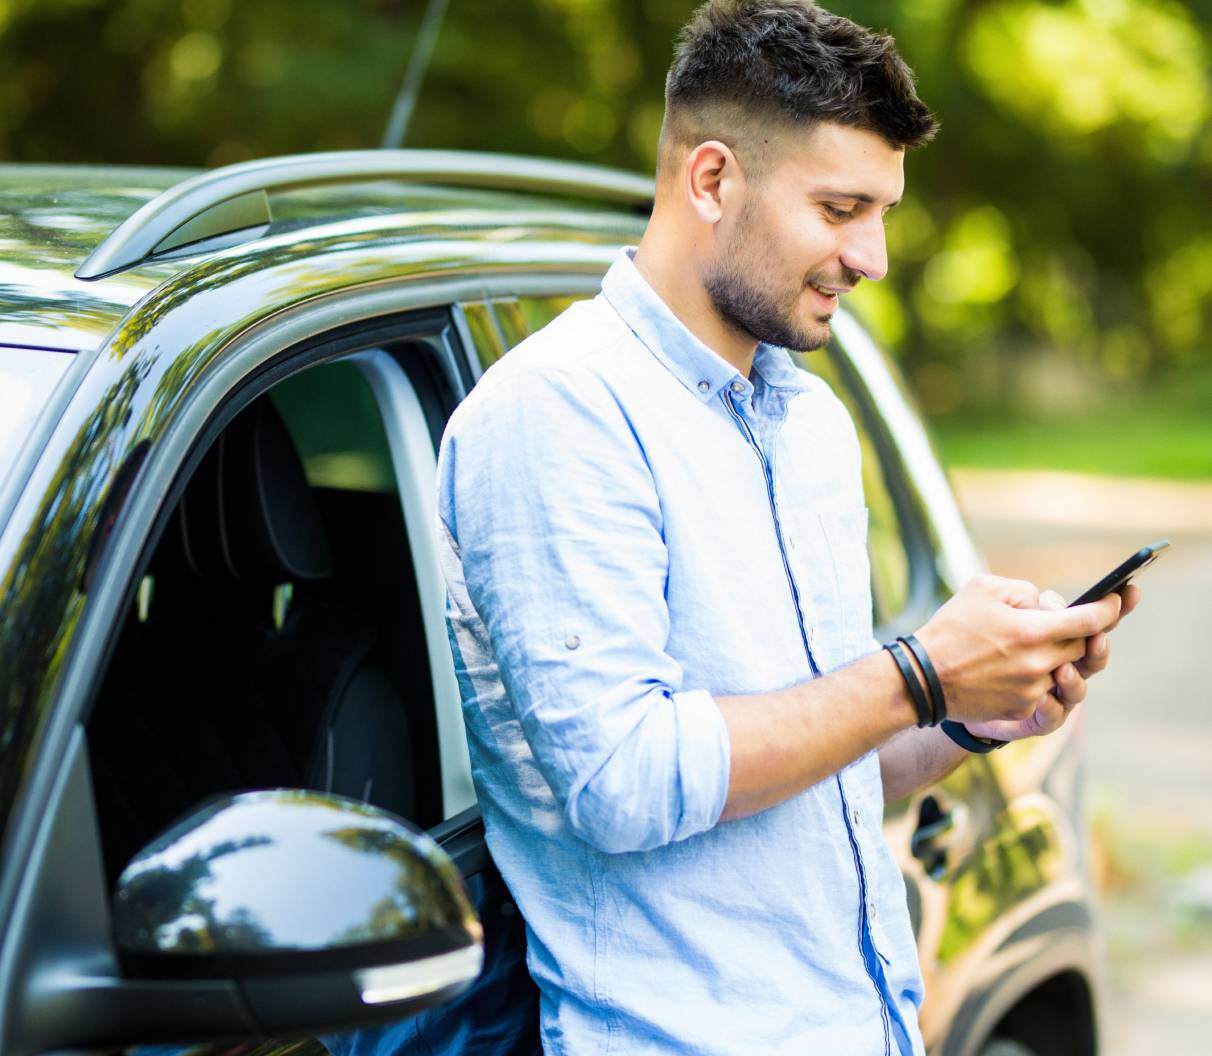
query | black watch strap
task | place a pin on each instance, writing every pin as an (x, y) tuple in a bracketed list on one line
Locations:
[(958, 732), (920, 703), (937, 699)]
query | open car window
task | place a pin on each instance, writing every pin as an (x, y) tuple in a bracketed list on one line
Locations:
[(277, 639)]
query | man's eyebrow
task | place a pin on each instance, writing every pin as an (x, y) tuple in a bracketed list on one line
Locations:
[(858, 196)]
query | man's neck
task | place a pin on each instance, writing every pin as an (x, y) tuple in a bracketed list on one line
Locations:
[(679, 287)]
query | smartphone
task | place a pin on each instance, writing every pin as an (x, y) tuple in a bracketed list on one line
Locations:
[(1118, 579)]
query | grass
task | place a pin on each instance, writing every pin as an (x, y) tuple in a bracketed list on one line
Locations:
[(1165, 431), (1136, 445)]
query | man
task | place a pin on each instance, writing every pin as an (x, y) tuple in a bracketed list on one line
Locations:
[(682, 732)]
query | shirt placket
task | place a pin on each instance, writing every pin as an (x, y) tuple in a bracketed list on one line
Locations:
[(866, 938), (879, 947), (739, 409), (745, 415)]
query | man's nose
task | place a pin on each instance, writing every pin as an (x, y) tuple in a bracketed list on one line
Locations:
[(866, 250)]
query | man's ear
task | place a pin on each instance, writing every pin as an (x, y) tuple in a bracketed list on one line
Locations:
[(712, 177)]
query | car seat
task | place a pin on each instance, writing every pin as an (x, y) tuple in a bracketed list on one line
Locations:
[(212, 693)]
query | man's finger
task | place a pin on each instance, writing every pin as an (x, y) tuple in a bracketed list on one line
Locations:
[(1050, 600), (1129, 600), (1098, 655), (1131, 595), (1020, 593), (1081, 621), (1049, 714), (1070, 686)]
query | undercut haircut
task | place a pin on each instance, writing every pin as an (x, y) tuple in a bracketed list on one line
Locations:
[(745, 72)]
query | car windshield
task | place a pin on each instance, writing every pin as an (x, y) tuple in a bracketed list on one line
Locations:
[(27, 378)]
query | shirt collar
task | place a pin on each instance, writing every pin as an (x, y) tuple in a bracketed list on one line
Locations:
[(703, 371)]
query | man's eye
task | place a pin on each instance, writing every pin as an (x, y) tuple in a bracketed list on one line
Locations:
[(837, 214)]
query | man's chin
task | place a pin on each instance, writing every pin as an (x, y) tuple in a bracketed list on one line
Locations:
[(816, 336)]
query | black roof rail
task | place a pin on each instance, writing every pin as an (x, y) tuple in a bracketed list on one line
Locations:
[(228, 205)]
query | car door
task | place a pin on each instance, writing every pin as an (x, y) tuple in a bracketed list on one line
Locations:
[(109, 537)]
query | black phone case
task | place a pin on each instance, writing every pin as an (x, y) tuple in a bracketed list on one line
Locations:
[(1119, 577)]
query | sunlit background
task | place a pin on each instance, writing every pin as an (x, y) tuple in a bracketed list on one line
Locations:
[(1053, 258), (1049, 298)]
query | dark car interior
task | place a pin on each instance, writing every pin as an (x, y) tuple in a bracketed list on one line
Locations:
[(282, 646)]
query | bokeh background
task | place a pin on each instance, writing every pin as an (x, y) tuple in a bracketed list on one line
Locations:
[(1052, 259), (1049, 299)]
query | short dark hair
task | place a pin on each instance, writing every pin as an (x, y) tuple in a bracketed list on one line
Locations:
[(747, 66)]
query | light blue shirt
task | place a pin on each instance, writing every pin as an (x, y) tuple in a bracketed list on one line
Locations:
[(633, 528)]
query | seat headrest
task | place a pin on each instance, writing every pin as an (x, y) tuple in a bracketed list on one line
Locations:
[(248, 515)]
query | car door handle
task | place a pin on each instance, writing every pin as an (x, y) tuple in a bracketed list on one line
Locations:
[(934, 833)]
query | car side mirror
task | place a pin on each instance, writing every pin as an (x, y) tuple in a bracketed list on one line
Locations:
[(324, 914)]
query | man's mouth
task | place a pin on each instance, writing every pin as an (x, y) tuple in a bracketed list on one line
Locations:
[(828, 296), (830, 292)]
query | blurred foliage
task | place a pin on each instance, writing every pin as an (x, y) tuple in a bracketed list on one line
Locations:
[(1061, 217), (1152, 873), (1110, 439)]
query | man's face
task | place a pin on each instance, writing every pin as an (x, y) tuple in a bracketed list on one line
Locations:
[(805, 232)]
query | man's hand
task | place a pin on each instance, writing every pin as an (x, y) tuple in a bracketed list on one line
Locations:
[(1000, 650), (1055, 706)]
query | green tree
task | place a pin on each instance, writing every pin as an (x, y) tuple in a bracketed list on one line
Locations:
[(1061, 213)]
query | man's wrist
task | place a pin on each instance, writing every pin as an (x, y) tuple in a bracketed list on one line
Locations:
[(901, 703), (920, 678)]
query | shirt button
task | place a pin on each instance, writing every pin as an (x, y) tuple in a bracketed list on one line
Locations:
[(872, 910), (703, 386), (855, 815), (572, 641), (738, 385)]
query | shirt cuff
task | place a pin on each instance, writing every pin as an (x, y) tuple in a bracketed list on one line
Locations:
[(704, 761)]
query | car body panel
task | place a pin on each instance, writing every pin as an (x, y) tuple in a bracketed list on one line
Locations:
[(52, 217), (29, 378)]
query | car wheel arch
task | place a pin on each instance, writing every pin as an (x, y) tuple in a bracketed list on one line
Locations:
[(1055, 988)]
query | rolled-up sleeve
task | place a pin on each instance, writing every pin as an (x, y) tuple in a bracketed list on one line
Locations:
[(553, 510)]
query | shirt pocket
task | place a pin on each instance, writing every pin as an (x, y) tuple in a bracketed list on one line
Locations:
[(845, 534)]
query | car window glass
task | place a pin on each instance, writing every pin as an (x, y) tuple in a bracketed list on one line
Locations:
[(485, 335), (539, 311), (885, 535), (512, 322), (278, 639), (331, 414), (495, 329)]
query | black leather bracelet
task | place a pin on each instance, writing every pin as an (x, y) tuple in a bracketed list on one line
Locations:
[(958, 732), (937, 700), (924, 714)]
